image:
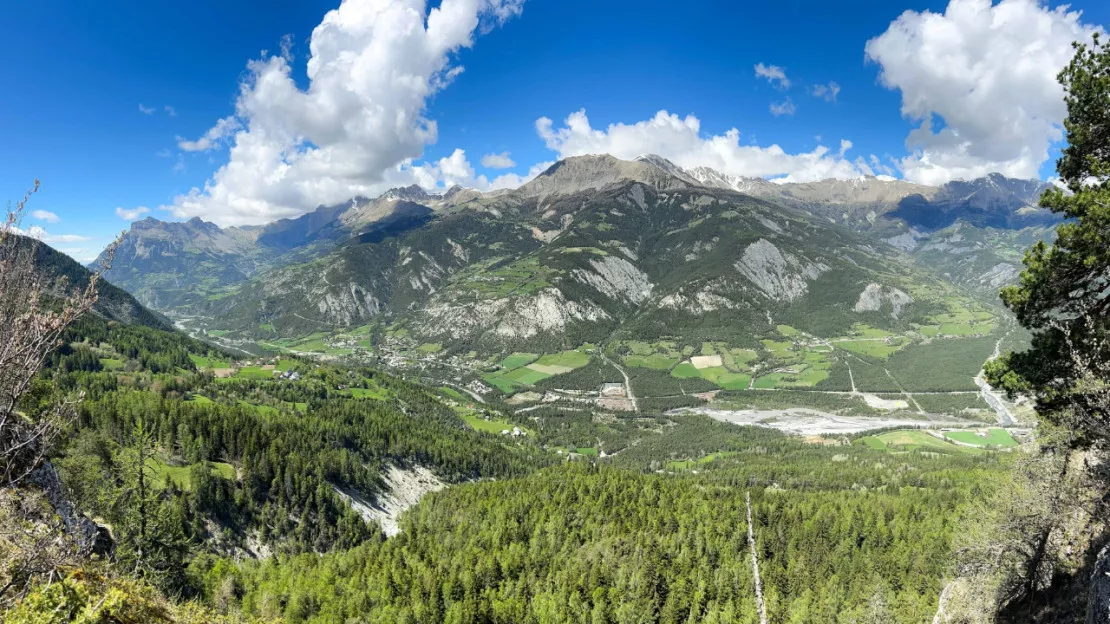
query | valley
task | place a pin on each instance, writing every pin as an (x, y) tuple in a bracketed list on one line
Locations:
[(519, 312), (613, 364)]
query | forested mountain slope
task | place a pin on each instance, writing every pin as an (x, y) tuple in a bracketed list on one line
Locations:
[(592, 244), (583, 250), (60, 273)]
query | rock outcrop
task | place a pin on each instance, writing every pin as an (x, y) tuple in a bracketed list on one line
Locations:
[(1098, 597), (91, 538)]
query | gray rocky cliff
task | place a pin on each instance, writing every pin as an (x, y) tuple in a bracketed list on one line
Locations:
[(1098, 597), (91, 538)]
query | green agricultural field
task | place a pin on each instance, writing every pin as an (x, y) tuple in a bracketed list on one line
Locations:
[(254, 372), (590, 451), (111, 364), (526, 376), (502, 383), (719, 375), (565, 359), (207, 362), (874, 442), (787, 331), (780, 349), (685, 370), (316, 345), (910, 439), (264, 410), (454, 394), (516, 360), (199, 399), (995, 437), (726, 378), (367, 393), (740, 357), (965, 329), (429, 347), (961, 321), (180, 474), (877, 349), (769, 382), (656, 361), (480, 423)]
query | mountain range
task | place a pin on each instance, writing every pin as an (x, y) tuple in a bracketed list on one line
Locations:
[(592, 246)]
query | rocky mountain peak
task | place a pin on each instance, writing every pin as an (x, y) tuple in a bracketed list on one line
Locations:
[(412, 192), (575, 174)]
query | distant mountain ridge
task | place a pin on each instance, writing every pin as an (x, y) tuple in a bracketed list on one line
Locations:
[(113, 303), (403, 254)]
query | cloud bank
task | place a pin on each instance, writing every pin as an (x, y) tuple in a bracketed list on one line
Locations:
[(980, 82), (679, 139), (358, 125)]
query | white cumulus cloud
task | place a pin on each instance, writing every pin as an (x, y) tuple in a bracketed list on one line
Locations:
[(146, 110), (980, 81), (357, 126), (680, 140), (456, 169), (774, 74), (45, 215), (827, 92), (40, 233), (785, 107), (498, 161), (213, 138), (131, 214)]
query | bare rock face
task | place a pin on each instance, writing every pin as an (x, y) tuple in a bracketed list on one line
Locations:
[(875, 296), (91, 538), (780, 276), (1000, 274), (547, 311), (1098, 597), (616, 278)]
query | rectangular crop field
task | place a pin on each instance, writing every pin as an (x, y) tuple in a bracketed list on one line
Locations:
[(994, 437), (516, 360), (566, 359)]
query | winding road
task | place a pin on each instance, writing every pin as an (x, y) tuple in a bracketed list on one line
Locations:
[(993, 399), (627, 383)]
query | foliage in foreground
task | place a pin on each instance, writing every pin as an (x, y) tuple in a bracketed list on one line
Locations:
[(93, 598)]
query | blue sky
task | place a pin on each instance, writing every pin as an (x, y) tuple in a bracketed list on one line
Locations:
[(106, 101)]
